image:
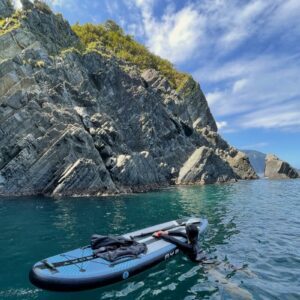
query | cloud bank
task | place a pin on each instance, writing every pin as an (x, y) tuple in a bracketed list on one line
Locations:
[(244, 54)]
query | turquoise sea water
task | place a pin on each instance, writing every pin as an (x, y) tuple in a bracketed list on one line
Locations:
[(254, 224)]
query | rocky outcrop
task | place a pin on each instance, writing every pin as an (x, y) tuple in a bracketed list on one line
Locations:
[(85, 123), (138, 170), (6, 8), (278, 169), (219, 163), (189, 104), (84, 176), (204, 166), (239, 162)]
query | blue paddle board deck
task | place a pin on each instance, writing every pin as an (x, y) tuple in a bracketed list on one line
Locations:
[(80, 269)]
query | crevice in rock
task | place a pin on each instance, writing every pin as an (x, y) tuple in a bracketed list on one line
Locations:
[(16, 41), (178, 128), (188, 131)]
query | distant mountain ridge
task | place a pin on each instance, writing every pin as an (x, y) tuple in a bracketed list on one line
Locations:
[(257, 160)]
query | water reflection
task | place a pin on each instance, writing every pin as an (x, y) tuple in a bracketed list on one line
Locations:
[(65, 218), (118, 214)]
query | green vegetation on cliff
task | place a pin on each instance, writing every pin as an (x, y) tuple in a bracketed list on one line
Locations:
[(10, 23), (111, 37)]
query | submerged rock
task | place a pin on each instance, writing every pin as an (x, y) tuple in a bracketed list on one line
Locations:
[(278, 169), (84, 123)]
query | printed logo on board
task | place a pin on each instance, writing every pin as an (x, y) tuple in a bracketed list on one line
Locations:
[(125, 275), (170, 254)]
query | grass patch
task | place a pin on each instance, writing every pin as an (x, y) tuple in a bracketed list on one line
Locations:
[(40, 64), (10, 23), (110, 38), (76, 49)]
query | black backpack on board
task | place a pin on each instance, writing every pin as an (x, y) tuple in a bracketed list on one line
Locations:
[(112, 248)]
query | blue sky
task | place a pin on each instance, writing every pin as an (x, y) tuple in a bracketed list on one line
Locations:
[(245, 54)]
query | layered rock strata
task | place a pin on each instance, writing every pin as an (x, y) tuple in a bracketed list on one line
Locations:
[(278, 169), (76, 123)]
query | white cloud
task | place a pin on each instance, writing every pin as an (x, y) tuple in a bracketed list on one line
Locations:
[(17, 4), (215, 97), (261, 92), (281, 116), (241, 50), (176, 36), (239, 85), (209, 28), (286, 13), (222, 124), (238, 22)]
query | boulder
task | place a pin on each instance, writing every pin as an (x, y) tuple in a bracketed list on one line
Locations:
[(239, 162), (278, 169), (203, 167)]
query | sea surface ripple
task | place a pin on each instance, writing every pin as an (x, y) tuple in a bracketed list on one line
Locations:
[(254, 235)]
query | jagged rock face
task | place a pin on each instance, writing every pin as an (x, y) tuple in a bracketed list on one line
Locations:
[(81, 124), (278, 169), (204, 166), (239, 162), (82, 174), (136, 170), (189, 105), (6, 8)]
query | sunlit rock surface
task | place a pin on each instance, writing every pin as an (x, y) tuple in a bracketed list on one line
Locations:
[(278, 169), (79, 124)]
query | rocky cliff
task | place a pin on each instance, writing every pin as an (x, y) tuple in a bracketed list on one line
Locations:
[(86, 123), (278, 169)]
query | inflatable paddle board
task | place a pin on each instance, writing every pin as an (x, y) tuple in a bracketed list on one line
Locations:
[(80, 269)]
